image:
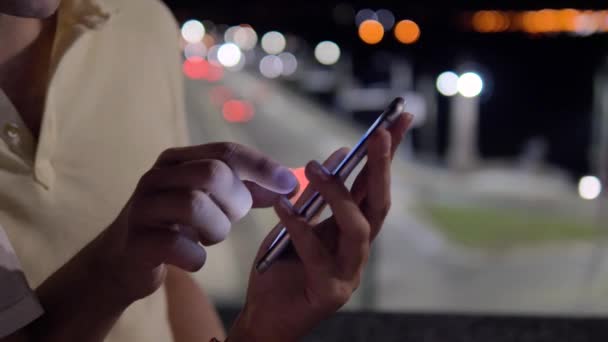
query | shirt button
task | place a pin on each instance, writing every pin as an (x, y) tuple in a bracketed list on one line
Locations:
[(11, 131)]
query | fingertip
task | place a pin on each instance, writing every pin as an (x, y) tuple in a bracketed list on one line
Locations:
[(286, 180), (284, 208), (316, 172)]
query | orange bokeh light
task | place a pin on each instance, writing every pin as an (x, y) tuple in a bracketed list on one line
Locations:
[(491, 21), (407, 32), (371, 32), (237, 111), (301, 176)]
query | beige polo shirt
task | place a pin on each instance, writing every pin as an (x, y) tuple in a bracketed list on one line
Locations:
[(115, 101)]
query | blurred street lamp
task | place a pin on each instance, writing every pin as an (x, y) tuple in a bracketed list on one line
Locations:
[(469, 84), (273, 42), (447, 83), (193, 31), (589, 187), (327, 52), (464, 118)]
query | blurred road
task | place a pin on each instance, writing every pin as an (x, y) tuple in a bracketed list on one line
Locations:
[(413, 267)]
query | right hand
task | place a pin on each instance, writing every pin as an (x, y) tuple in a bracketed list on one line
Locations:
[(189, 199)]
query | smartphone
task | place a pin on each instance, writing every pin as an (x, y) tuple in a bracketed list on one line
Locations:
[(315, 203)]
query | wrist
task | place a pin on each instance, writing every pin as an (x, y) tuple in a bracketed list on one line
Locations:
[(253, 326)]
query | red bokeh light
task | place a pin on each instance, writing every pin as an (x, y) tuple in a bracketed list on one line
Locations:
[(219, 95), (301, 176), (196, 68), (237, 111)]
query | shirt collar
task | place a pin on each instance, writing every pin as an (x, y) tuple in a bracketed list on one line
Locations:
[(91, 14)]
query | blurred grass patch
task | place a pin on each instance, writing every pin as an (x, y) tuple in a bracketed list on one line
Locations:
[(503, 228)]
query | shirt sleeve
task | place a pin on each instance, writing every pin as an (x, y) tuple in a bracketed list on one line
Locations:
[(18, 304)]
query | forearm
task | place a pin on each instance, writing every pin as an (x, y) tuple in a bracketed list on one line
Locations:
[(81, 300), (192, 315)]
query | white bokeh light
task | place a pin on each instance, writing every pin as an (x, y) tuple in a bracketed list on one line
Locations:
[(589, 187), (229, 54), (193, 31), (195, 50), (327, 52), (271, 66), (273, 42), (470, 84), (290, 63), (447, 83), (246, 38), (230, 33)]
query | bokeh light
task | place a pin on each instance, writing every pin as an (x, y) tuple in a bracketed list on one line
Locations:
[(271, 66), (469, 84), (229, 54), (193, 31), (195, 68), (365, 14), (273, 42), (386, 18), (245, 37), (195, 50), (327, 52), (237, 111), (407, 31), (371, 32), (589, 187), (447, 83), (289, 63), (490, 21)]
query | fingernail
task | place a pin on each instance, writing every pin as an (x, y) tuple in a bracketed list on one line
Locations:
[(317, 170), (285, 205), (286, 179)]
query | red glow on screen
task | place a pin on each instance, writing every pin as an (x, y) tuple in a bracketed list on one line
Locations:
[(237, 111), (219, 95), (196, 68), (301, 176)]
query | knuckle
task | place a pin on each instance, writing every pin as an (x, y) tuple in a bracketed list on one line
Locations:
[(218, 171), (265, 165), (228, 150), (339, 294), (198, 202), (167, 154), (147, 178), (218, 233)]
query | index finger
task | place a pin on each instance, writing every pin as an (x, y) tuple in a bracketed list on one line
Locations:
[(248, 163)]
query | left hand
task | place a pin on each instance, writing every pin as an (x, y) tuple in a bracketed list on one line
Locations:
[(300, 290)]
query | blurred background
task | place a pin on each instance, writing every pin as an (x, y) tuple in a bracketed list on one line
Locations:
[(497, 191)]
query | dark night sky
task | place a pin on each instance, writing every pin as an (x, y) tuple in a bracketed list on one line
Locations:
[(539, 86)]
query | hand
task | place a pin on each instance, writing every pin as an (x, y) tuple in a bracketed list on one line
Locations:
[(298, 291), (189, 199)]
